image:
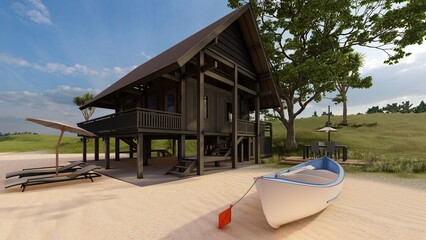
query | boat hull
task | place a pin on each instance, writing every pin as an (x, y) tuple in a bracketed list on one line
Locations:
[(299, 196)]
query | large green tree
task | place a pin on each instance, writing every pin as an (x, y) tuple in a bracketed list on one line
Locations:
[(348, 76), (81, 101), (306, 40)]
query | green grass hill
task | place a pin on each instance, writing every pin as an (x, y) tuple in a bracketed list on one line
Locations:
[(367, 136)]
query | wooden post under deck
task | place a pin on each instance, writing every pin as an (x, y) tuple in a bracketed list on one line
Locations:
[(107, 157), (235, 118), (200, 115), (84, 149), (181, 147), (96, 149), (257, 128), (130, 150), (146, 150), (139, 161), (117, 149)]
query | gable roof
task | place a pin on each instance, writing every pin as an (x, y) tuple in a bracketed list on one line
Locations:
[(181, 53)]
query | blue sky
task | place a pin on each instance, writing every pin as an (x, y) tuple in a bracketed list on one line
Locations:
[(53, 50)]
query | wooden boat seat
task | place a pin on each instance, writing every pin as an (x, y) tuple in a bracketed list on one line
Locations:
[(319, 176)]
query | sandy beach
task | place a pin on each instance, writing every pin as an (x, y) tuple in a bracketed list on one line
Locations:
[(188, 208)]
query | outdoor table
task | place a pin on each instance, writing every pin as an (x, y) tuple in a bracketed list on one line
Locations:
[(306, 150)]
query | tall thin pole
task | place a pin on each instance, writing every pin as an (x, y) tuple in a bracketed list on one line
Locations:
[(328, 123), (57, 149)]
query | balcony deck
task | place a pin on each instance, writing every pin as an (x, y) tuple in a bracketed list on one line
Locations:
[(158, 121)]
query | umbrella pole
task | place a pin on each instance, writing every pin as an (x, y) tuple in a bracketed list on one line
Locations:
[(57, 149)]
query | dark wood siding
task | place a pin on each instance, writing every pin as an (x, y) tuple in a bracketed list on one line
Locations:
[(231, 44)]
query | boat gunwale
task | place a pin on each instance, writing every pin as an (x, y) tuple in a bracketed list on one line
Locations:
[(339, 179)]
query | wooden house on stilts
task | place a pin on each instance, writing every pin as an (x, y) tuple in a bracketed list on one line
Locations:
[(204, 88)]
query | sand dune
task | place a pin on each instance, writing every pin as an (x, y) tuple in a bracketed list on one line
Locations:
[(188, 209)]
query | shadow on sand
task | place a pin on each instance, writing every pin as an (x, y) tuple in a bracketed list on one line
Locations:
[(154, 173)]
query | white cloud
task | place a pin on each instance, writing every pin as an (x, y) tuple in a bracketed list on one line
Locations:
[(146, 55), (51, 99), (13, 61), (35, 10), (66, 70)]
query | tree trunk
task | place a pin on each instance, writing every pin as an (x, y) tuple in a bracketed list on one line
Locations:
[(345, 113), (290, 142)]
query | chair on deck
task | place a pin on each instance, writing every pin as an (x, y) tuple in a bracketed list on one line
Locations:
[(46, 170), (331, 149), (85, 172), (315, 149)]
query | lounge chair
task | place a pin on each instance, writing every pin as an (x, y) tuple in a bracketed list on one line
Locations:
[(85, 172), (46, 170)]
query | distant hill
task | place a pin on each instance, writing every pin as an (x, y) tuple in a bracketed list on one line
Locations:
[(367, 135)]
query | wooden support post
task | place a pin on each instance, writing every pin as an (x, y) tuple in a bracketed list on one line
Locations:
[(131, 150), (257, 119), (117, 149), (107, 149), (84, 149), (249, 146), (181, 147), (174, 147), (235, 118), (139, 161), (242, 151), (200, 114), (146, 147), (183, 97), (96, 149)]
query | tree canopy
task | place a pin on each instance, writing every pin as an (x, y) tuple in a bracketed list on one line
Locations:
[(81, 101), (306, 40)]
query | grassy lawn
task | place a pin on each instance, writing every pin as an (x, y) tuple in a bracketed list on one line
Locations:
[(391, 142), (367, 136)]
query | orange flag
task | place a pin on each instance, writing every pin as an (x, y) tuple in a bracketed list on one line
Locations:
[(225, 217)]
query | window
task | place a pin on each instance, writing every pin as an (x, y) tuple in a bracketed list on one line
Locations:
[(229, 112), (152, 101), (171, 100), (206, 107)]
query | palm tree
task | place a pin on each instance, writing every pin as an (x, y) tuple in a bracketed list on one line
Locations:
[(81, 101), (350, 77)]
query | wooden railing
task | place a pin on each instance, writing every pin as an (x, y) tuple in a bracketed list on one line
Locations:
[(249, 128), (133, 119)]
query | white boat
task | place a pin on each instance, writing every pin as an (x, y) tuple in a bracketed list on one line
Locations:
[(300, 191)]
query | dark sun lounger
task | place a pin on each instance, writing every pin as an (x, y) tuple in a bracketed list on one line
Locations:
[(85, 172), (47, 170)]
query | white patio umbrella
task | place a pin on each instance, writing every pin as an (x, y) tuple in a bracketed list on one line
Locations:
[(63, 128), (327, 130)]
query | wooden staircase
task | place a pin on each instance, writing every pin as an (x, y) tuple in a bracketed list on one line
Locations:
[(183, 167), (130, 142)]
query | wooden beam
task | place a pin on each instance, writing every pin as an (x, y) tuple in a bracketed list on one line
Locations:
[(226, 61), (139, 161), (235, 119), (209, 67), (247, 73), (171, 77), (219, 78), (247, 90), (200, 114), (220, 58)]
